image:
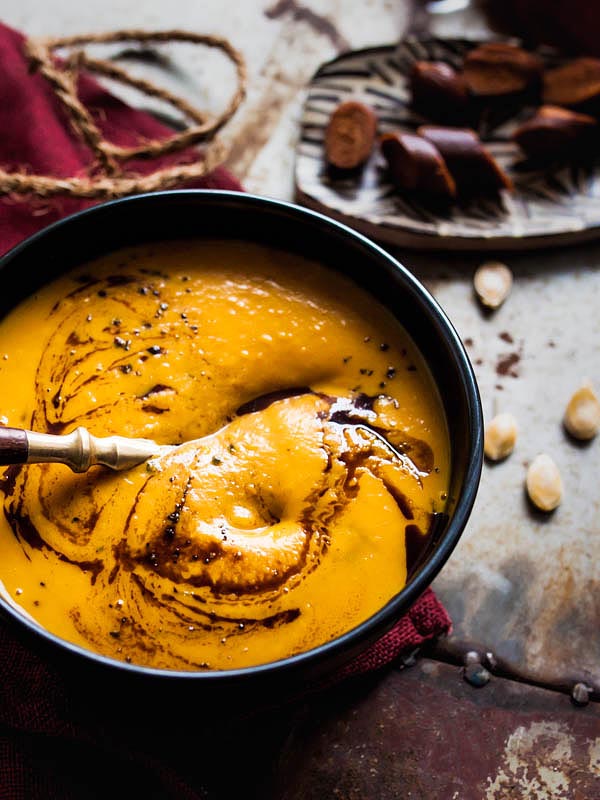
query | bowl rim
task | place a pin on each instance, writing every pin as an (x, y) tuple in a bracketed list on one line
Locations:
[(399, 603)]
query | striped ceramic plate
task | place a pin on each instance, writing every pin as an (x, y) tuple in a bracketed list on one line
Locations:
[(554, 206)]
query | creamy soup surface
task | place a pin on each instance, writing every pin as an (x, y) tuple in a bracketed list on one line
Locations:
[(313, 458)]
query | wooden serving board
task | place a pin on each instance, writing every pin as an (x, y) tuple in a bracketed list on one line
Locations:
[(558, 205)]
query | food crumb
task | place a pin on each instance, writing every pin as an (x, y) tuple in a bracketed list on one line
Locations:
[(500, 436), (582, 414), (544, 483), (492, 283), (507, 365)]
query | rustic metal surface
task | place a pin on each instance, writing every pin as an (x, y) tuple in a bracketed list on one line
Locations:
[(422, 733), (425, 734), (525, 585)]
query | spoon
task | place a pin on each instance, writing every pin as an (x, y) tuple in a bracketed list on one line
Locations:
[(79, 450)]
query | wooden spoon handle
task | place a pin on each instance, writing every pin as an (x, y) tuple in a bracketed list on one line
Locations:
[(14, 446)]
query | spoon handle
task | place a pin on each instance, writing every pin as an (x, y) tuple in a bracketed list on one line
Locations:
[(14, 447), (79, 450)]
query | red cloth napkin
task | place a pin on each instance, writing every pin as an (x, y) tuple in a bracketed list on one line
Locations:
[(35, 136), (48, 747)]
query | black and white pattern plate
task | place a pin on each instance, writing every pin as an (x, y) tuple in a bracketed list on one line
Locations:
[(555, 206)]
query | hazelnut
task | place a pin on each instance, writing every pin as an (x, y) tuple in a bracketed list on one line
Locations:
[(500, 436), (544, 484), (492, 283), (582, 415)]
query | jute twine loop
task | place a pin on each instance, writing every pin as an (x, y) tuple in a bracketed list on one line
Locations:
[(112, 183)]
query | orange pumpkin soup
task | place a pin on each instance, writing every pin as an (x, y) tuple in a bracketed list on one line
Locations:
[(313, 456)]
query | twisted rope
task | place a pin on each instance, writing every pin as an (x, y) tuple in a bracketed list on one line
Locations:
[(111, 183)]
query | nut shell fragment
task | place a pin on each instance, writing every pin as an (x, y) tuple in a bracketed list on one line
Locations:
[(544, 484), (582, 415), (500, 437), (492, 283)]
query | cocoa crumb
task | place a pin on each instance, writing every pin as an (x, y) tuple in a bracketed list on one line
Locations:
[(506, 337), (507, 365)]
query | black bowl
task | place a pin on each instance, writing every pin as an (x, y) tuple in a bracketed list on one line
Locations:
[(232, 215)]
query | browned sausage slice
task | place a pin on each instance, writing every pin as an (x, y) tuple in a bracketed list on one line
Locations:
[(416, 165), (555, 132), (499, 68), (350, 135), (438, 91), (469, 162), (575, 84)]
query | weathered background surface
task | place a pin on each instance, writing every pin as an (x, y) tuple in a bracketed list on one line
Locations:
[(525, 586)]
